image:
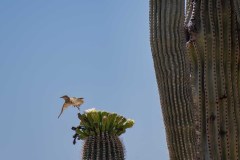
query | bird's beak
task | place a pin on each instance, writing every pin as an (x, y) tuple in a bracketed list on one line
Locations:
[(61, 97)]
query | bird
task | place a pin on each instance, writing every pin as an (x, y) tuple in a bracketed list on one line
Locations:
[(71, 101)]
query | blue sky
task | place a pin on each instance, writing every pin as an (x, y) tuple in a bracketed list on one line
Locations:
[(98, 50)]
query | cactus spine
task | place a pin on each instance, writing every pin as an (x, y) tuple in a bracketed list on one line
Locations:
[(212, 43), (100, 132)]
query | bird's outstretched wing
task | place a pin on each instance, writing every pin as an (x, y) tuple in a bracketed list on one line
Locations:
[(73, 100), (63, 107)]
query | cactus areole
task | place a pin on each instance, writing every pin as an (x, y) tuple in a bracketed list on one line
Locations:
[(100, 132)]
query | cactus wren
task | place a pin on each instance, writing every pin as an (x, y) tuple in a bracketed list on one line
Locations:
[(71, 101)]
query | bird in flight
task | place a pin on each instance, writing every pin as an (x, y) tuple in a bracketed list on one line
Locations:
[(71, 101)]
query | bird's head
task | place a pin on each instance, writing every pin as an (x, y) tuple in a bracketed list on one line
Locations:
[(65, 97)]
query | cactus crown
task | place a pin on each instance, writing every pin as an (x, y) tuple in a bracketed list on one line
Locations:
[(94, 122)]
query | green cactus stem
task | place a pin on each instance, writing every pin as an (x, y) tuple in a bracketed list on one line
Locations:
[(172, 73), (100, 132), (212, 33), (215, 57)]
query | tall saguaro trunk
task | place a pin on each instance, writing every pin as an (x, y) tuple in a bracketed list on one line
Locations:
[(212, 43), (171, 67), (214, 49)]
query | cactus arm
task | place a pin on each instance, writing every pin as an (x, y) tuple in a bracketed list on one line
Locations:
[(168, 51)]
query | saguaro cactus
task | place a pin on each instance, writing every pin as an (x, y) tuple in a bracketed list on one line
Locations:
[(212, 35), (172, 72), (214, 50), (100, 131)]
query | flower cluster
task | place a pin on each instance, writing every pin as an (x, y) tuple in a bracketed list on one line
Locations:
[(94, 122)]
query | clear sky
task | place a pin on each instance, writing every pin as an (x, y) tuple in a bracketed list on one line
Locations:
[(98, 50)]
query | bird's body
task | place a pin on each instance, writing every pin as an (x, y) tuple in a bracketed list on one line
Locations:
[(71, 101)]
